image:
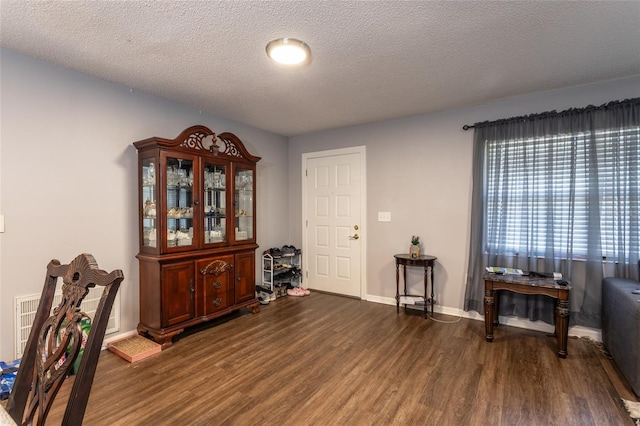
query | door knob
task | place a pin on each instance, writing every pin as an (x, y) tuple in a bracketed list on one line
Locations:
[(354, 237)]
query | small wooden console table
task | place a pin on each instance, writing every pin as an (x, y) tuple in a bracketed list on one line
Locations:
[(425, 261), (527, 285)]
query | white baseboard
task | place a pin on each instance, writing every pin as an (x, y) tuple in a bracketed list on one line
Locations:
[(576, 330)]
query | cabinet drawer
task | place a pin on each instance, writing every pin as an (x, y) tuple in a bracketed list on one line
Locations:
[(215, 302), (214, 277)]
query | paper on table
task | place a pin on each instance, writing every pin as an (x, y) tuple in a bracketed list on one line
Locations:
[(508, 271)]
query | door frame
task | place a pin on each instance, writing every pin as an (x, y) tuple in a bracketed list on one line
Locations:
[(361, 151)]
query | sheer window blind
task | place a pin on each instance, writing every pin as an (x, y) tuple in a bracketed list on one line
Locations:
[(529, 181)]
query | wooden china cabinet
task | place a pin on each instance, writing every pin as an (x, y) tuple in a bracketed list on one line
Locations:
[(197, 230)]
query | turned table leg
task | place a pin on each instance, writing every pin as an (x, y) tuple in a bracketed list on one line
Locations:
[(397, 287), (489, 307), (424, 293), (562, 326)]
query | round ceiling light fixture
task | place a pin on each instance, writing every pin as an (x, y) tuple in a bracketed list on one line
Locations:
[(289, 52)]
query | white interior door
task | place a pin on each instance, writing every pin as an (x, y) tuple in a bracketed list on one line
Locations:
[(334, 229)]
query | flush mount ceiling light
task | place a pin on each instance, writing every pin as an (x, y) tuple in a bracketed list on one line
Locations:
[(289, 52)]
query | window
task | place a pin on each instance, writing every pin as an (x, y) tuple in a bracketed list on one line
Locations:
[(557, 192), (539, 200)]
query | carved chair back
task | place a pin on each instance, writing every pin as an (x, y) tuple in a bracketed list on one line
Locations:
[(55, 341)]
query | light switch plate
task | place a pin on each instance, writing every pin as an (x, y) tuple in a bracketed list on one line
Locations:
[(384, 216), (1, 223)]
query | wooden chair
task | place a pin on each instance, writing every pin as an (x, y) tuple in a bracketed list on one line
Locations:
[(55, 342)]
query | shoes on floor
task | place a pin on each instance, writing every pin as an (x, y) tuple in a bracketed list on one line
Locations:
[(264, 294), (296, 291)]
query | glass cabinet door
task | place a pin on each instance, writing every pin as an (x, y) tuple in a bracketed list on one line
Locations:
[(214, 203), (243, 204), (149, 212), (179, 201)]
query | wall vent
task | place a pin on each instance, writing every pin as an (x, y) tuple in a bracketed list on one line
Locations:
[(27, 306)]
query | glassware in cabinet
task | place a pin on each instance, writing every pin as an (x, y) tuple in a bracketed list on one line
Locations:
[(215, 203), (179, 201), (148, 203), (243, 204)]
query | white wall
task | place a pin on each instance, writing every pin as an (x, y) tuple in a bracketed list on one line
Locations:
[(419, 169), (68, 178)]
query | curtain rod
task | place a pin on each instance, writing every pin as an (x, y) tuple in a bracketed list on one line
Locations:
[(555, 113)]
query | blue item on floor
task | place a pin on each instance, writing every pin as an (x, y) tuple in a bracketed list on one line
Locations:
[(8, 372)]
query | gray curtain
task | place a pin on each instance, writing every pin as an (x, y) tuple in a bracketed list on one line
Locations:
[(569, 181)]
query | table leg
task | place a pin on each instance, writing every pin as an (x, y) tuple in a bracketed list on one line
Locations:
[(404, 278), (562, 326), (424, 294), (489, 306), (433, 301), (397, 288)]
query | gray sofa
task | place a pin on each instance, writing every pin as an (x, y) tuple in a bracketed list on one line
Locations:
[(621, 326)]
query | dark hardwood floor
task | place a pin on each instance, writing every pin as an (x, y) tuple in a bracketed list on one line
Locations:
[(329, 360)]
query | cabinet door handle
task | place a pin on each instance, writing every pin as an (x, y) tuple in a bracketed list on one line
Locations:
[(191, 287), (217, 285), (218, 301)]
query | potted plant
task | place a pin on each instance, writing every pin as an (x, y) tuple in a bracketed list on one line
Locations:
[(414, 248)]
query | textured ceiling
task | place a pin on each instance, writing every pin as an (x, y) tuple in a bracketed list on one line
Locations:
[(372, 61)]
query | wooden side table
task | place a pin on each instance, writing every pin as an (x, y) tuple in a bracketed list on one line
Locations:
[(425, 261), (527, 285)]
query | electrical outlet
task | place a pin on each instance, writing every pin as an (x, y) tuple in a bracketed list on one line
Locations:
[(384, 216)]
